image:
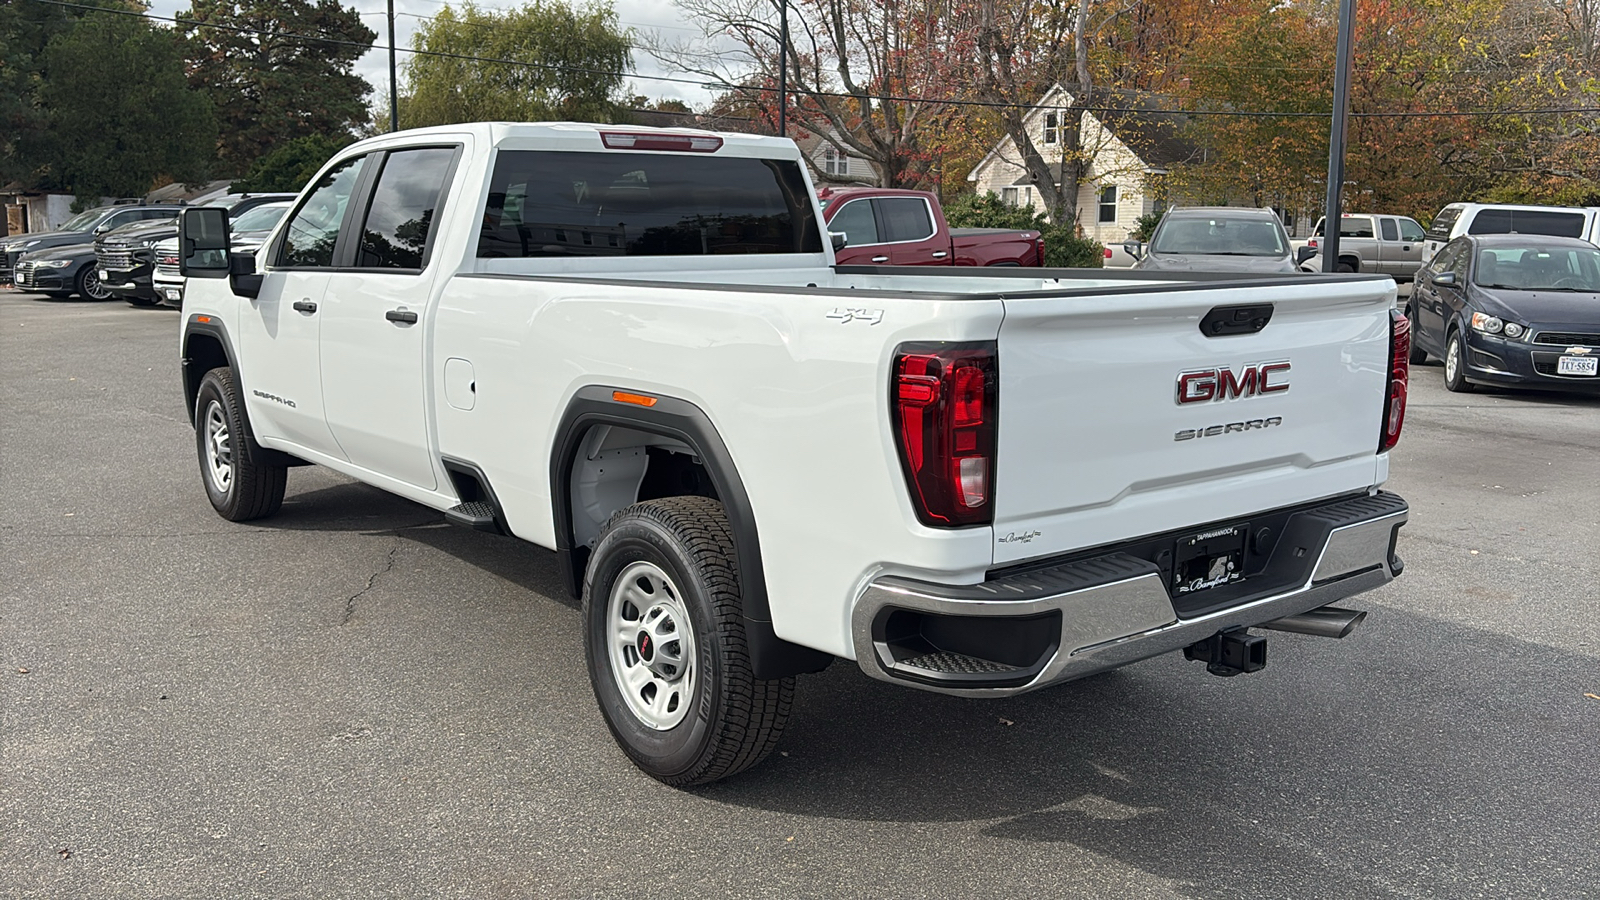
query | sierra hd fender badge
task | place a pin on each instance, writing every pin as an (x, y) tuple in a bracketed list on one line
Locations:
[(274, 397), (1255, 379)]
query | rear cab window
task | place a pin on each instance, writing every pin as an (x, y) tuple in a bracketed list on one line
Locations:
[(548, 203), (1527, 221)]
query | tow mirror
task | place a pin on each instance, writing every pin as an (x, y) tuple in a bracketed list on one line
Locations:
[(840, 240), (1134, 249), (203, 243)]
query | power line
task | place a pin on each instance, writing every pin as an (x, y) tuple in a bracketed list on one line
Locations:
[(883, 98)]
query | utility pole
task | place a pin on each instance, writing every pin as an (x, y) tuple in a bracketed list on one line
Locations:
[(1341, 111), (783, 68), (394, 98)]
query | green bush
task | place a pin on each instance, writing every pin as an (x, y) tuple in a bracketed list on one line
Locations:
[(1062, 246), (1145, 226), (288, 168)]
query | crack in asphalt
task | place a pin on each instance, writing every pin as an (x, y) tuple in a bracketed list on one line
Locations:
[(388, 566)]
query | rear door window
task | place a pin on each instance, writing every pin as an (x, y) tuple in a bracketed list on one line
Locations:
[(552, 203), (905, 219), (400, 216), (1527, 221), (1390, 231)]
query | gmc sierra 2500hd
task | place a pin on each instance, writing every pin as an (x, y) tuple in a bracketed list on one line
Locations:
[(631, 346)]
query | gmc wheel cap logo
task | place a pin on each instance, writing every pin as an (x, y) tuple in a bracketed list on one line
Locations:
[(1207, 385)]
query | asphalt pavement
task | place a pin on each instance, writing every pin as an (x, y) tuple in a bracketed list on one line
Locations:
[(352, 699)]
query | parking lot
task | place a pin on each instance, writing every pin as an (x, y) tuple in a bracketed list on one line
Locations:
[(354, 699)]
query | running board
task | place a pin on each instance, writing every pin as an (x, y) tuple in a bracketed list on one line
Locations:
[(477, 515)]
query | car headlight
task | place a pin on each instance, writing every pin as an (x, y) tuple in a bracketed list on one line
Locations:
[(53, 263), (1513, 330), (1486, 323)]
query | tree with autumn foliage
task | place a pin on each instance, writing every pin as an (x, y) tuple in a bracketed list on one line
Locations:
[(276, 70), (870, 77)]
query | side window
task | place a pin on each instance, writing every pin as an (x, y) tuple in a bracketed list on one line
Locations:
[(1445, 258), (151, 215), (395, 233), (905, 219), (1458, 263), (1390, 231), (1410, 231), (117, 220), (1355, 227), (314, 228), (857, 222), (1443, 222)]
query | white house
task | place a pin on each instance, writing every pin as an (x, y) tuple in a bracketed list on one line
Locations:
[(1128, 147)]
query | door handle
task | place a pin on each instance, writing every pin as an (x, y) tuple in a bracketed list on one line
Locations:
[(880, 259), (940, 254), (401, 315), (305, 306)]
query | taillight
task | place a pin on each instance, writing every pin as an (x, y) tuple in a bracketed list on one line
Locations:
[(1394, 402), (684, 143), (1312, 243), (1108, 253), (944, 403)]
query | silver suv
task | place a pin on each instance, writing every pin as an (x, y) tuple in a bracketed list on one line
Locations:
[(1216, 239)]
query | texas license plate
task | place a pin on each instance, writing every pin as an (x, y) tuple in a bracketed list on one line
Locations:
[(1209, 559), (1577, 365)]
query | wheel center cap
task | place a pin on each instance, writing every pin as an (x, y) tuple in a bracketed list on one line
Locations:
[(647, 647)]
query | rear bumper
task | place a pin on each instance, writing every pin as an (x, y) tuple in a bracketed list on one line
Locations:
[(1020, 632)]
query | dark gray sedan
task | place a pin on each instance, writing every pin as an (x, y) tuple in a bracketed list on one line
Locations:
[(1514, 310)]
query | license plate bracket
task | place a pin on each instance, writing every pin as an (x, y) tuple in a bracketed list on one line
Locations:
[(1209, 559)]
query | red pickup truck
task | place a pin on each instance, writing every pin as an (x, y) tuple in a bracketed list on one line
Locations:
[(890, 227)]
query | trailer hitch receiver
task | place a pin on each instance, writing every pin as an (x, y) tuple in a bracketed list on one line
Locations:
[(1230, 652)]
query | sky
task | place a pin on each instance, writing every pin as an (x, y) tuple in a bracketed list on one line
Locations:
[(644, 16)]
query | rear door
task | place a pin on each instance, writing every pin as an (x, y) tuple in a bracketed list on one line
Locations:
[(373, 341), (1120, 417), (910, 232)]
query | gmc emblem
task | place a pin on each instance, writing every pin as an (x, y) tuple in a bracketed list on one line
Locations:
[(1203, 385)]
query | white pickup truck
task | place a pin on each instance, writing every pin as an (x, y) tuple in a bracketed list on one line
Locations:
[(631, 346)]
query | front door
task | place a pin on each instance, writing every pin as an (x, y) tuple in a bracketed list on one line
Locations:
[(374, 348), (280, 332)]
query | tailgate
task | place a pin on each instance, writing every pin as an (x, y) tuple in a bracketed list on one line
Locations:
[(1094, 446)]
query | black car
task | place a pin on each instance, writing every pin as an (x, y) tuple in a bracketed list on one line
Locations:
[(80, 229), (127, 257), (1515, 310), (61, 272)]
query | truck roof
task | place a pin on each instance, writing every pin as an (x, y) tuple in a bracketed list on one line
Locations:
[(584, 136)]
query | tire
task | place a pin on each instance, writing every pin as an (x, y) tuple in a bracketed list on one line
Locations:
[(239, 487), (87, 285), (693, 714), (1343, 267), (1455, 365), (1418, 355)]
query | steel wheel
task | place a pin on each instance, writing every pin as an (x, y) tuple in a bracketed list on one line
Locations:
[(219, 449), (89, 286), (651, 646)]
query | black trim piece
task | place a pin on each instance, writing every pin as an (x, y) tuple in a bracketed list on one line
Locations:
[(217, 331), (965, 651), (1222, 321), (460, 467), (770, 655)]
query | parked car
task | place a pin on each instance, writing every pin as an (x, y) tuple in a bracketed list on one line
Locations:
[(889, 227), (1458, 219), (1382, 244), (1215, 239), (60, 272), (80, 229), (1512, 310), (128, 256), (249, 232)]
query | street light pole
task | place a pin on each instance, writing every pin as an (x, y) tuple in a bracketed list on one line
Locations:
[(1341, 110), (783, 68), (394, 100)]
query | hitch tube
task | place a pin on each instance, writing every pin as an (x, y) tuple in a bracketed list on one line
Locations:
[(1326, 621)]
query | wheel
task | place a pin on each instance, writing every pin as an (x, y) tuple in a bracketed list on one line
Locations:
[(1418, 355), (1455, 365), (87, 285), (240, 488), (1343, 267), (142, 301), (665, 642)]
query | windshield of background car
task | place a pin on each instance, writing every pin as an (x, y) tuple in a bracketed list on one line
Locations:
[(550, 203), (1539, 269), (1219, 236), (261, 218), (1527, 221), (83, 220)]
